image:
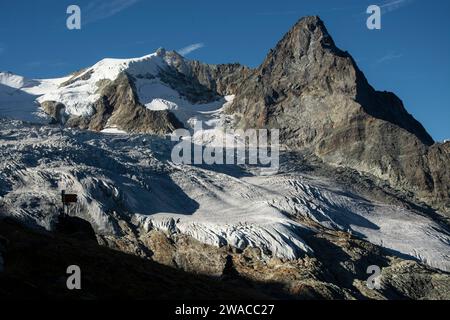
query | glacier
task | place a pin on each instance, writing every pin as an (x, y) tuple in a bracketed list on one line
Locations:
[(132, 176)]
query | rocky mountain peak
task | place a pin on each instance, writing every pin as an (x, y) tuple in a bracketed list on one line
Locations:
[(161, 52), (321, 102), (307, 32), (307, 63)]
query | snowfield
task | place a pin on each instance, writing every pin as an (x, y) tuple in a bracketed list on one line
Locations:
[(19, 97)]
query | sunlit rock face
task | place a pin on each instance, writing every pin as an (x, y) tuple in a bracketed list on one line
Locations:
[(319, 99)]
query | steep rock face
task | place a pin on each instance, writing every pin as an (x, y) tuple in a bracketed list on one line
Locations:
[(221, 79), (225, 79), (55, 110), (319, 99), (132, 116), (119, 107), (438, 158)]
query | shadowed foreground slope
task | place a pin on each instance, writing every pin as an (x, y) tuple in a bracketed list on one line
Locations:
[(36, 263)]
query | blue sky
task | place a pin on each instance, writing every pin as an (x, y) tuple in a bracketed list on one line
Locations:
[(410, 55)]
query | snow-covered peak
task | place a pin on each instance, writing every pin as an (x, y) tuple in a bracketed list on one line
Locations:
[(15, 81), (80, 90), (110, 68)]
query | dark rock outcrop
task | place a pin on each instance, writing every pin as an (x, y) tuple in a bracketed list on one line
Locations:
[(119, 107), (224, 79), (221, 79), (75, 227), (337, 270), (55, 110), (78, 75)]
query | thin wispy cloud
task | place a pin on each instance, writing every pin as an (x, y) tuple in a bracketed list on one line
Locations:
[(389, 57), (190, 48), (103, 9), (394, 5), (391, 6)]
